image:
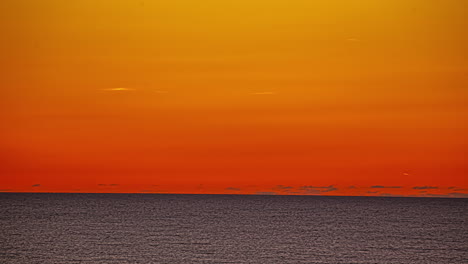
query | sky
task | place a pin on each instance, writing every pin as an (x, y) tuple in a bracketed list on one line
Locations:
[(324, 97)]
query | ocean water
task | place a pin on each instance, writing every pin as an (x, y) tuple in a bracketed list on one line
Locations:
[(153, 228)]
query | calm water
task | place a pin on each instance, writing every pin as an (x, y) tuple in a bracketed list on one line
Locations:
[(145, 228)]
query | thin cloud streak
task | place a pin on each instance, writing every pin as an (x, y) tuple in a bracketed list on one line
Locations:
[(266, 193), (317, 189), (425, 187), (119, 89)]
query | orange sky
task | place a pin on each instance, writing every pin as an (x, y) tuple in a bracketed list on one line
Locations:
[(331, 97)]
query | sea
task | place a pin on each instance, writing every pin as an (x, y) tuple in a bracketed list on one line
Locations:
[(173, 228)]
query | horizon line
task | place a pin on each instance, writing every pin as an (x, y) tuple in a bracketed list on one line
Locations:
[(238, 194)]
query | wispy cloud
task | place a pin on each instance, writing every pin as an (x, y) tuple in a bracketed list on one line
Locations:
[(119, 89), (282, 188), (309, 190), (456, 189), (459, 195), (385, 187), (147, 191), (266, 193), (448, 195), (330, 189), (232, 189), (424, 187), (389, 195), (36, 185), (437, 195), (317, 189)]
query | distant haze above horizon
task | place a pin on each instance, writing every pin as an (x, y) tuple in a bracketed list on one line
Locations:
[(322, 97)]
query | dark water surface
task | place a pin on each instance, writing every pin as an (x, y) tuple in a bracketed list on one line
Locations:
[(146, 228)]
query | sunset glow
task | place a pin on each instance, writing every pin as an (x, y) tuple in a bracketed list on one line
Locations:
[(326, 97)]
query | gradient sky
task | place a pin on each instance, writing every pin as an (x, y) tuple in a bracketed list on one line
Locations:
[(331, 97)]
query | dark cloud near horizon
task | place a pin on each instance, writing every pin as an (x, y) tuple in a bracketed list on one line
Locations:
[(309, 190), (282, 188), (370, 192), (456, 189), (113, 184), (385, 187), (331, 189), (436, 195), (36, 185), (266, 193), (389, 195), (459, 195), (424, 187), (232, 189), (448, 195), (317, 189)]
